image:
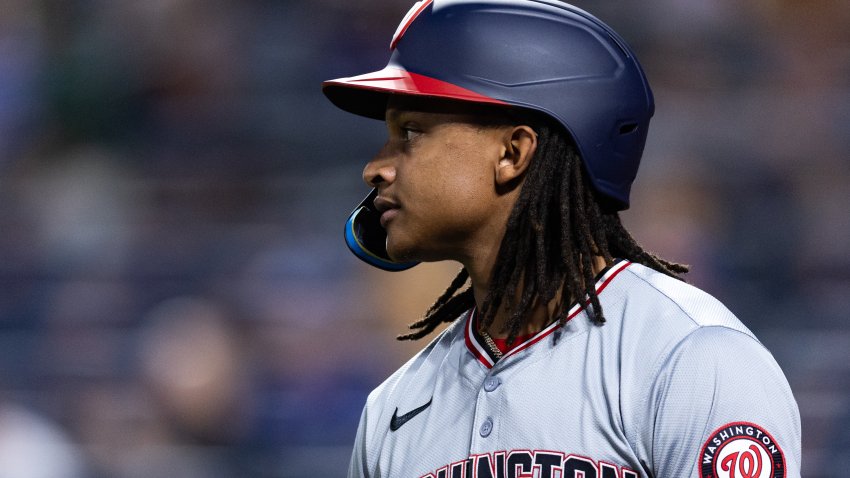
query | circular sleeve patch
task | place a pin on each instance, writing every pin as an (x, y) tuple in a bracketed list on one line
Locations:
[(741, 450)]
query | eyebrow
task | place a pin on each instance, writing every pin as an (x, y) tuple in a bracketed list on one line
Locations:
[(392, 114), (395, 114)]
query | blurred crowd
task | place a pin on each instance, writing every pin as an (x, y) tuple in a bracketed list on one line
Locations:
[(175, 296)]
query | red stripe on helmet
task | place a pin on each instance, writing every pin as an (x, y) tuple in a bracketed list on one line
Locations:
[(414, 12), (397, 80)]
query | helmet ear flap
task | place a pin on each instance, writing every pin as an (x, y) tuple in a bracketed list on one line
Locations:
[(367, 239)]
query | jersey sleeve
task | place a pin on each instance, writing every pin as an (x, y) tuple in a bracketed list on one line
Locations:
[(721, 407)]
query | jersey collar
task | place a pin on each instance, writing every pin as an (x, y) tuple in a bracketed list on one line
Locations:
[(476, 346)]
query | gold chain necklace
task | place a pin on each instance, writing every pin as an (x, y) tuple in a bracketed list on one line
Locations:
[(491, 345)]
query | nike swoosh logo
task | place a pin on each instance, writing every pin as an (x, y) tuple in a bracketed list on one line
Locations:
[(398, 421)]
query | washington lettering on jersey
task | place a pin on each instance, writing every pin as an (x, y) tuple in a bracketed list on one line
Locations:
[(530, 464)]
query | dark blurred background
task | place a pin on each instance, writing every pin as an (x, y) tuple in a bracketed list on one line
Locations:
[(175, 296)]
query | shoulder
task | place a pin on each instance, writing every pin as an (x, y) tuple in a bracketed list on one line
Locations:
[(425, 363), (681, 300), (661, 320)]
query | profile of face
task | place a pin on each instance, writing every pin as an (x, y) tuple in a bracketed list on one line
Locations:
[(447, 178)]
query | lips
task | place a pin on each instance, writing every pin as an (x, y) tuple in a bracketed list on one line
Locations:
[(387, 216), (388, 209)]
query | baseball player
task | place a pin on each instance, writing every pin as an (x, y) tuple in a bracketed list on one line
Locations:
[(515, 131)]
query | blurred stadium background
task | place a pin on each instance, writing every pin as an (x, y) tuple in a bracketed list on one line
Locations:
[(175, 297)]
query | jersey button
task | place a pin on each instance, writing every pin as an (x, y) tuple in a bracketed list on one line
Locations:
[(486, 427), (492, 383)]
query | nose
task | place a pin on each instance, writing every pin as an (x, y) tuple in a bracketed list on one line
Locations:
[(381, 169)]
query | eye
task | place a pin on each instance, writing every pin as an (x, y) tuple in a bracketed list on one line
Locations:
[(409, 133)]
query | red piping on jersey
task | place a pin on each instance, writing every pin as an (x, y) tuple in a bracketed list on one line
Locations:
[(474, 346), (397, 80), (478, 351)]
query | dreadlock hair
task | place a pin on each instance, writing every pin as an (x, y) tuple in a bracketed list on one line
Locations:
[(557, 225)]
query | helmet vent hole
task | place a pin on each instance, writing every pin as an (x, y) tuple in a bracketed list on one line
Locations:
[(628, 128)]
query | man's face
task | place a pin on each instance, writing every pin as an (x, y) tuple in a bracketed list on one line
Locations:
[(436, 181)]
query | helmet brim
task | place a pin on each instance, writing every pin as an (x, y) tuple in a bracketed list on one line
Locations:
[(367, 94)]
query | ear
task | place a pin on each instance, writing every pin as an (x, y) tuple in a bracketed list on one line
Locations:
[(518, 146)]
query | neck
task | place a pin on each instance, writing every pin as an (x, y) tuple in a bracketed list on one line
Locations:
[(538, 317)]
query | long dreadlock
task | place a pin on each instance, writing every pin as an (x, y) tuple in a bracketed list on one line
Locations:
[(557, 225)]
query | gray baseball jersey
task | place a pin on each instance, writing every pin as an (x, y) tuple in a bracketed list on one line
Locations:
[(672, 385)]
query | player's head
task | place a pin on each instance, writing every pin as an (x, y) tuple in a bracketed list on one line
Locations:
[(537, 55), (576, 84)]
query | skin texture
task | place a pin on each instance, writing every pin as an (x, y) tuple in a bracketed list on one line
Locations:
[(447, 178)]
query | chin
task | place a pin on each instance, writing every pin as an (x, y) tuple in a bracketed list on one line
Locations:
[(401, 254), (401, 249)]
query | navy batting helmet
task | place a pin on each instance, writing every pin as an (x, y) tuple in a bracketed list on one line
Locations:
[(540, 55)]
